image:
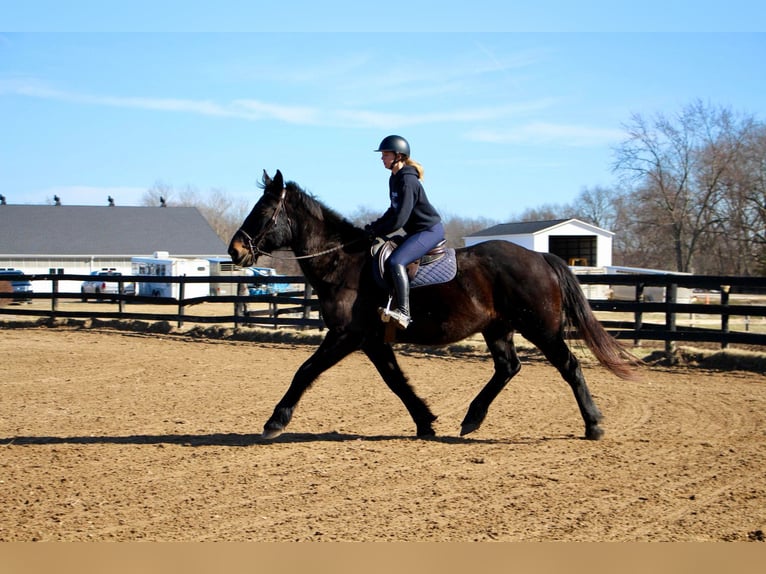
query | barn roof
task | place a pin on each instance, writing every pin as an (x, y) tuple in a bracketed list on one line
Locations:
[(48, 230), (530, 227)]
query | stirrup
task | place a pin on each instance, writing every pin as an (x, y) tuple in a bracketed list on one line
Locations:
[(402, 321), (387, 314)]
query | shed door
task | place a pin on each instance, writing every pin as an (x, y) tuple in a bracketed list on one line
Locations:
[(574, 249)]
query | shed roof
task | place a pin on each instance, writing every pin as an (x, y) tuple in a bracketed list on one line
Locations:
[(48, 230), (531, 227)]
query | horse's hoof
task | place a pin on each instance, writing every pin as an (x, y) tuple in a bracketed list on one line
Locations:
[(468, 428), (594, 433), (426, 433), (271, 433)]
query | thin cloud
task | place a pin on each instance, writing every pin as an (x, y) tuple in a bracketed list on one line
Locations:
[(35, 90), (364, 118), (477, 72), (256, 110), (506, 63), (542, 133)]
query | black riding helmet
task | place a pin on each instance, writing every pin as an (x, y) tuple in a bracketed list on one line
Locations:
[(396, 144)]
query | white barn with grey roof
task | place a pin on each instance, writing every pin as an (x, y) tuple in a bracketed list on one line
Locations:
[(43, 239), (576, 242)]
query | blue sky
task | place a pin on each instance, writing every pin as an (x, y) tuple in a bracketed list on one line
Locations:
[(506, 108)]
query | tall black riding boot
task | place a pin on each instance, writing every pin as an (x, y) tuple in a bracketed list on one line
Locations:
[(402, 290)]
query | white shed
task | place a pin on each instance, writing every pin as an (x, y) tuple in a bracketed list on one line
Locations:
[(578, 243)]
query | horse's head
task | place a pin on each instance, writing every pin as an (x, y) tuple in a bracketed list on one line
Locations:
[(266, 228)]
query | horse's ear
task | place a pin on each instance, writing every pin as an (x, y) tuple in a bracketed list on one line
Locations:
[(266, 179), (279, 180)]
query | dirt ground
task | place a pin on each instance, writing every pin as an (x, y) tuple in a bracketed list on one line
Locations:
[(115, 436)]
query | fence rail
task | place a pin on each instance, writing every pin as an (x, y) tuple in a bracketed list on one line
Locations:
[(297, 308), (672, 310), (635, 319)]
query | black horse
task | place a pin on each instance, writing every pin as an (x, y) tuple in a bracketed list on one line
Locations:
[(500, 288)]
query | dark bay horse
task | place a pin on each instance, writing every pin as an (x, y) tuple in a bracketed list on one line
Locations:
[(500, 288)]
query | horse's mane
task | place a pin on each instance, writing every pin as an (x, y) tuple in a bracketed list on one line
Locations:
[(317, 209)]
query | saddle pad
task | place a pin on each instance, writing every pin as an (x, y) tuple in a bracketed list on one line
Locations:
[(439, 271)]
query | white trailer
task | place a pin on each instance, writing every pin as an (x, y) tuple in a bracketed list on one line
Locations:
[(651, 293), (162, 265)]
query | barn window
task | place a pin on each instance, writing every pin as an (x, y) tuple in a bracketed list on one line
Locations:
[(574, 249)]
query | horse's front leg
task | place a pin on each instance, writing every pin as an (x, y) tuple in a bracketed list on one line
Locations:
[(334, 347), (382, 356)]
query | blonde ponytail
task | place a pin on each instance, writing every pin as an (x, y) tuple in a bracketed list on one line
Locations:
[(419, 168)]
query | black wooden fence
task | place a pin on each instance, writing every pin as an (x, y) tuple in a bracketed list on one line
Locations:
[(711, 297), (284, 307), (715, 296)]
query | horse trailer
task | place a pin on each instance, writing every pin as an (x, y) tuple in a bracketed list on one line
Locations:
[(162, 265), (220, 269)]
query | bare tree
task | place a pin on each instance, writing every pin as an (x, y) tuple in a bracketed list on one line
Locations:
[(743, 210), (224, 213), (676, 166), (363, 215), (457, 228), (754, 192), (545, 212), (597, 206), (220, 210), (638, 242), (158, 194)]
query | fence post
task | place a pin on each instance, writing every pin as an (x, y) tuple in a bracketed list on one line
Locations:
[(307, 306), (181, 295), (121, 293), (241, 307), (671, 292), (724, 315), (274, 311), (54, 297), (638, 315)]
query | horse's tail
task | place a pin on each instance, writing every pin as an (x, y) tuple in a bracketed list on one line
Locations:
[(609, 351)]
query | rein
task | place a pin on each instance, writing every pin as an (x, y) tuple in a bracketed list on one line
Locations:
[(253, 244), (254, 249)]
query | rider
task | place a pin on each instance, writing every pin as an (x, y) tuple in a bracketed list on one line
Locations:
[(411, 211)]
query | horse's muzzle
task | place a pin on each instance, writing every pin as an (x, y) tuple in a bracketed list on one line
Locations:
[(239, 251)]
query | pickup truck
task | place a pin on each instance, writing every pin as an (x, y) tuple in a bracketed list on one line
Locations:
[(103, 285)]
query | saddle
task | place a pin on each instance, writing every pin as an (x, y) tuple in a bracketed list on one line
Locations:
[(439, 265)]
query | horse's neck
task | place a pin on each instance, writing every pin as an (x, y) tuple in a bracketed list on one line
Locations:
[(324, 258), (310, 237)]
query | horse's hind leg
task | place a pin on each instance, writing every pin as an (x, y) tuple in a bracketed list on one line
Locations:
[(507, 364), (559, 354), (382, 356)]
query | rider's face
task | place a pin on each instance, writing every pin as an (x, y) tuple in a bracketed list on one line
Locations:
[(388, 158)]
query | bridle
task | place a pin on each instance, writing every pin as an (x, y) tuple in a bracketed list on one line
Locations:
[(254, 243)]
